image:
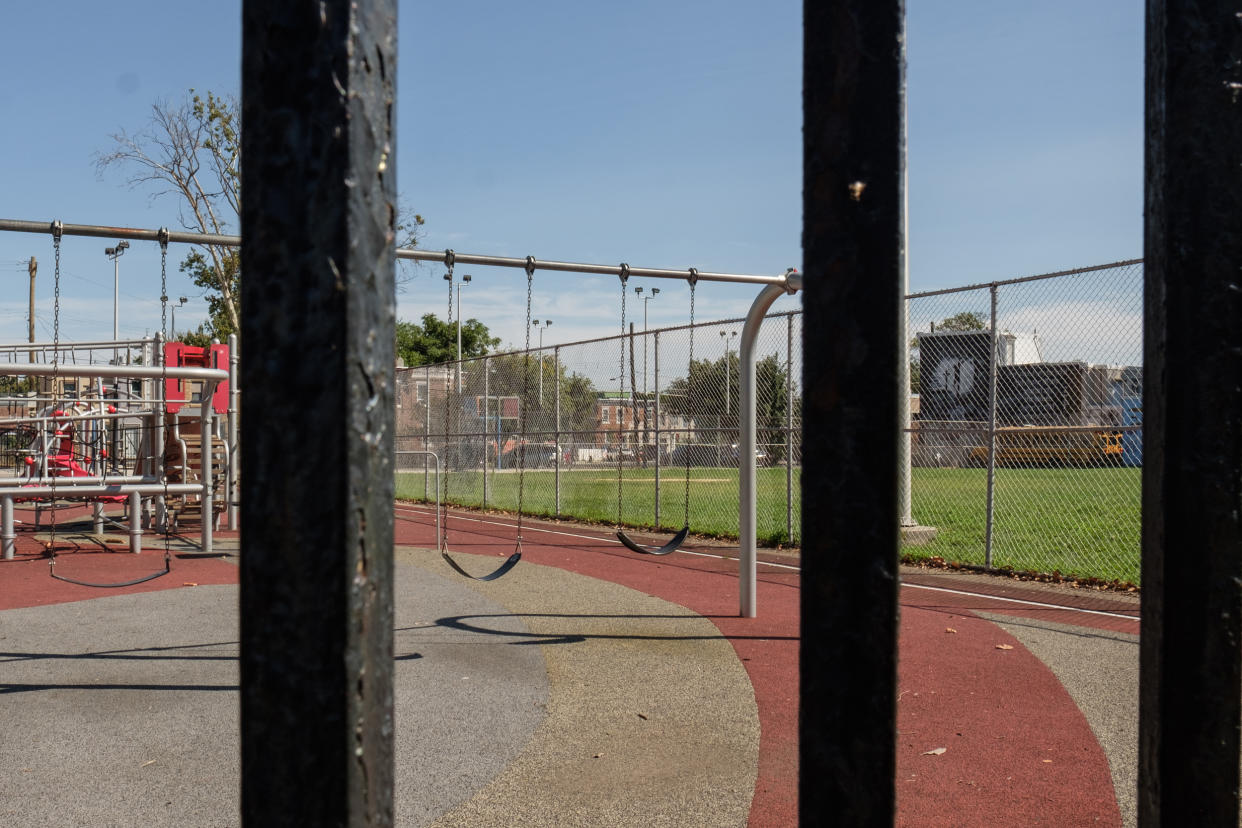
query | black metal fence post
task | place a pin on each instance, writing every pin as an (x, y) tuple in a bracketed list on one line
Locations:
[(853, 239), (1191, 662), (318, 299)]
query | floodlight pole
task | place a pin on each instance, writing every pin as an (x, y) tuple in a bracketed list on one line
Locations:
[(115, 253), (545, 323), (728, 369), (181, 300)]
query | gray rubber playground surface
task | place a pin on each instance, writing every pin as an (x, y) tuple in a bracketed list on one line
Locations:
[(546, 698)]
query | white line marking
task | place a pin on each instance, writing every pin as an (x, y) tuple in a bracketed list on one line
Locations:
[(1025, 602), (420, 511), (1021, 601)]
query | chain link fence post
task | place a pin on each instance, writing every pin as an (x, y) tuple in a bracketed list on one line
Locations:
[(556, 406), (426, 401), (991, 486), (789, 405), (487, 390)]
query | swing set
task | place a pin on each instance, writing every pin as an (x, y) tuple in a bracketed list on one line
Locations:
[(154, 480), (80, 435)]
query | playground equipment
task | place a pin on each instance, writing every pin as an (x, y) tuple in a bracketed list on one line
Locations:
[(772, 287), (117, 433)]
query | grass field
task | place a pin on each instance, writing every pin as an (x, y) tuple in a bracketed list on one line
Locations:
[(1082, 522), (591, 495), (1075, 521)]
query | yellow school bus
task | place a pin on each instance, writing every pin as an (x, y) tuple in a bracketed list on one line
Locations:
[(1052, 446)]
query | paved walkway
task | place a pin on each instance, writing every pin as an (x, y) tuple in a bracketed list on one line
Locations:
[(588, 687)]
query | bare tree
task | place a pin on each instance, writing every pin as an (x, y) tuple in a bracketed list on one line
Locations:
[(191, 151)]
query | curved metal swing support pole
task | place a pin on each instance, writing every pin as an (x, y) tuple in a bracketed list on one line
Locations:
[(747, 440)]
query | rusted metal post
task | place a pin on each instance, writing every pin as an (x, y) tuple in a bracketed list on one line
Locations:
[(1191, 664), (318, 298), (853, 184)]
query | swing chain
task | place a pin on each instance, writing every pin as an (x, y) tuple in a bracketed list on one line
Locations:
[(625, 276), (530, 282), (163, 239), (57, 230), (449, 260)]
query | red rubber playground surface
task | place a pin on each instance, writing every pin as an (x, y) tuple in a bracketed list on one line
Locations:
[(987, 734)]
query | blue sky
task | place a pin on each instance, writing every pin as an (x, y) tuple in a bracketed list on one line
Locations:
[(663, 134)]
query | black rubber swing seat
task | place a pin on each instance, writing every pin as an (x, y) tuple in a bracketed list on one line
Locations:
[(491, 576), (673, 542), (167, 568)]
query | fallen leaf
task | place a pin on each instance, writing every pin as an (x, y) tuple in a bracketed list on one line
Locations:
[(949, 630), (1004, 646), (934, 751)]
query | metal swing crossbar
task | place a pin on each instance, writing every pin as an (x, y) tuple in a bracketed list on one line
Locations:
[(413, 254), (773, 286)]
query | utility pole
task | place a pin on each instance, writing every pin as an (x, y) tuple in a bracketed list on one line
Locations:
[(33, 267)]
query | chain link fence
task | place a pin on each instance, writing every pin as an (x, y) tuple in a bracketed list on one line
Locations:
[(639, 430), (1026, 447), (1026, 428)]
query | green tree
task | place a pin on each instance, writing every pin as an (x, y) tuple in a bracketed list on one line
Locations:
[(435, 341), (512, 375), (16, 385), (701, 396), (578, 405), (191, 150), (701, 393), (964, 321)]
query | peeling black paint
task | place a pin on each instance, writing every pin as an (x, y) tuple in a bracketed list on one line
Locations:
[(853, 93), (317, 428), (1191, 666)]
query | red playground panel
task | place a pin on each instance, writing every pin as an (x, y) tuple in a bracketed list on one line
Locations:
[(180, 355)]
